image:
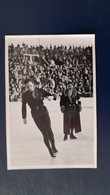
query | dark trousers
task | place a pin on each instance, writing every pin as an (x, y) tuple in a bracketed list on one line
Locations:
[(42, 120)]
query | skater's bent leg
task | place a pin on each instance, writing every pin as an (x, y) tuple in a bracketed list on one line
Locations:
[(45, 136), (52, 140), (50, 133), (46, 141)]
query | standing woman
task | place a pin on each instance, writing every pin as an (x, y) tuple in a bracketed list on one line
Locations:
[(70, 107), (34, 98)]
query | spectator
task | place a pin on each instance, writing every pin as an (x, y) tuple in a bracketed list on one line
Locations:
[(60, 63), (70, 107)]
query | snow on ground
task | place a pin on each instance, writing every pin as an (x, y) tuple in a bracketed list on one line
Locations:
[(26, 149)]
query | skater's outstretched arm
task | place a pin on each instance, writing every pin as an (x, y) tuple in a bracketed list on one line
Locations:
[(47, 94)]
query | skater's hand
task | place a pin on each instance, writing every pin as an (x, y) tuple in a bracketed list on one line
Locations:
[(55, 96), (25, 121), (49, 98)]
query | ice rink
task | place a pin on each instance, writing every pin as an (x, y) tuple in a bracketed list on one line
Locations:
[(26, 149)]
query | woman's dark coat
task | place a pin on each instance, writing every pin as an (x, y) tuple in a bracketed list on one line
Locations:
[(71, 118)]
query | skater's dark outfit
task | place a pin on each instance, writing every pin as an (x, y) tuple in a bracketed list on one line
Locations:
[(40, 115), (71, 116)]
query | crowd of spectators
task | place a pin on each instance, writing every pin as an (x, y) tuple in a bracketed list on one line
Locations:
[(51, 68)]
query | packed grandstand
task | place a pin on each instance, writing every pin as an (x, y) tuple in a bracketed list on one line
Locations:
[(51, 68)]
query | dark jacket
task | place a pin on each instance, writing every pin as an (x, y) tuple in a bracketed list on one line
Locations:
[(33, 99)]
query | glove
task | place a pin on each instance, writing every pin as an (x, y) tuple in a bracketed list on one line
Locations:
[(79, 108), (62, 109)]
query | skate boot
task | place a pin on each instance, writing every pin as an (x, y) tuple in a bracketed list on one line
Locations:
[(54, 149), (51, 153)]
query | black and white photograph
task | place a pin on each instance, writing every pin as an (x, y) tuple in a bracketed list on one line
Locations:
[(51, 116)]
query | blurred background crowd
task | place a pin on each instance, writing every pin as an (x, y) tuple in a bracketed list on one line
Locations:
[(51, 68)]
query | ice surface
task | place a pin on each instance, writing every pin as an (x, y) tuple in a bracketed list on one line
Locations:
[(26, 149)]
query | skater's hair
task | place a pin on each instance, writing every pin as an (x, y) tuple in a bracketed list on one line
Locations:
[(26, 81)]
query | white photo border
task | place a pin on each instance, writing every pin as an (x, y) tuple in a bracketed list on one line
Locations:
[(8, 143)]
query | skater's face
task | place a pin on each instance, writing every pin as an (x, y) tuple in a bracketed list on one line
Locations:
[(30, 86)]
